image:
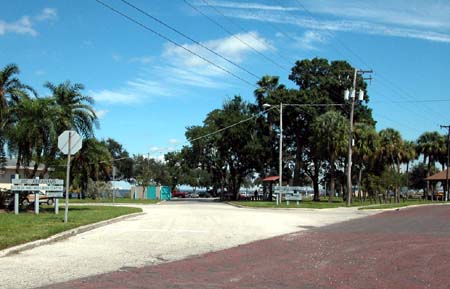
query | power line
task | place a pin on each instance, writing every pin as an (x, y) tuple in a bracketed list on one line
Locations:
[(331, 33), (427, 116), (190, 38), (243, 30), (175, 43), (230, 126), (404, 125), (414, 101)]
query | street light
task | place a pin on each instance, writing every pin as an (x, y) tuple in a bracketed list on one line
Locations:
[(280, 158)]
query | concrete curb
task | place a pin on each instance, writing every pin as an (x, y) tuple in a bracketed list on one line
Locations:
[(404, 207), (279, 209), (64, 235)]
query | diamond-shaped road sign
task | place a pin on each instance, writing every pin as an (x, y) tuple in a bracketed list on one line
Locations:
[(75, 142)]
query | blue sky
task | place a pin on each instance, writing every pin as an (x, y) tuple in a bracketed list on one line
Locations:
[(147, 90)]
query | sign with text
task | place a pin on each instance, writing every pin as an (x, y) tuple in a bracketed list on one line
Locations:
[(47, 185), (289, 189), (36, 188), (50, 182)]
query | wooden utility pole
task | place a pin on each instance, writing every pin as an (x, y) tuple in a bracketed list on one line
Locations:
[(448, 157), (350, 140)]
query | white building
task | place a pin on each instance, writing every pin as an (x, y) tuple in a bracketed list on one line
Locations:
[(9, 171)]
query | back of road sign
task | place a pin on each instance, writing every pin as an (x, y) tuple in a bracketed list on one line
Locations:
[(75, 142)]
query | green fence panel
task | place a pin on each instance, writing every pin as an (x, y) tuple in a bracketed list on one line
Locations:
[(165, 193), (151, 193)]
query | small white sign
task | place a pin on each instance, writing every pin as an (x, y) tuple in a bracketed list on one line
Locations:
[(54, 194), (37, 188), (50, 182), (287, 189)]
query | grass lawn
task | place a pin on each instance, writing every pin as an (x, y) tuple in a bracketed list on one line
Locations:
[(324, 204), (117, 200), (399, 205), (26, 227)]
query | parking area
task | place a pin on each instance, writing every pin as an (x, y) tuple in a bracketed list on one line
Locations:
[(167, 232)]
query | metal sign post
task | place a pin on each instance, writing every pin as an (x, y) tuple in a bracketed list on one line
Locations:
[(53, 188), (36, 200), (69, 142), (16, 199), (66, 208), (56, 206)]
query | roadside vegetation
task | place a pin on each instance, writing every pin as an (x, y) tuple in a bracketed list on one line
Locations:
[(27, 227), (236, 146), (398, 205), (325, 204), (110, 201)]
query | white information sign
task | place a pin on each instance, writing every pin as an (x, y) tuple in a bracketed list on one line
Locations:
[(50, 182), (47, 185), (36, 188), (288, 189)]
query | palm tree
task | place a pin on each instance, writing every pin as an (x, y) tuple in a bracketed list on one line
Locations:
[(391, 150), (75, 112), (429, 145), (409, 154), (330, 134), (76, 108), (267, 85), (32, 131), (11, 90), (366, 146), (93, 162)]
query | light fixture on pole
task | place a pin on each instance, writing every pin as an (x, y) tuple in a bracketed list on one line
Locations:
[(280, 157)]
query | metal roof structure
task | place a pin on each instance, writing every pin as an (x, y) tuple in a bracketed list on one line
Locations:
[(271, 179), (441, 176)]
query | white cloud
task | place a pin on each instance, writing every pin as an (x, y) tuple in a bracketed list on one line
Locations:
[(411, 13), (39, 72), (101, 113), (25, 24), (181, 68), (21, 26), (250, 6), (311, 39), (116, 57), (234, 48), (134, 91), (189, 69), (114, 97), (154, 149), (87, 43), (47, 14), (143, 59), (159, 158), (173, 141), (425, 20)]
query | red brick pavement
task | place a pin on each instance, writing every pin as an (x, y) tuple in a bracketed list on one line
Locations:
[(408, 248)]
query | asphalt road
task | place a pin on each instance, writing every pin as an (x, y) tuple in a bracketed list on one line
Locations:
[(169, 232), (408, 248)]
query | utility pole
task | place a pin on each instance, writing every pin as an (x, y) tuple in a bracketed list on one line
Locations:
[(352, 95), (114, 183), (448, 157), (280, 158)]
